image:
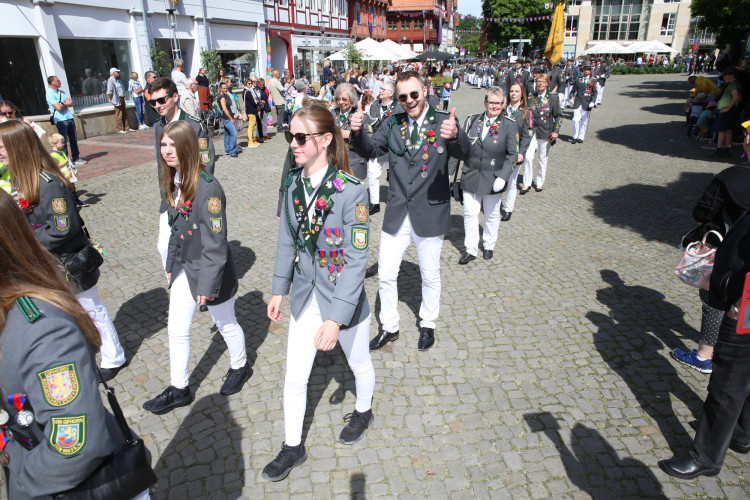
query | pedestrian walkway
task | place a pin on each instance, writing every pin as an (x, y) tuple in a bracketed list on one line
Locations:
[(550, 376)]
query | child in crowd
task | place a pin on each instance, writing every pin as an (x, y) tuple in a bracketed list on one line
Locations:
[(696, 107), (447, 91), (704, 121), (67, 168)]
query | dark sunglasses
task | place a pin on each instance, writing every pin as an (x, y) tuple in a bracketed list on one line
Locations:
[(299, 137), (8, 113), (160, 100), (414, 96)]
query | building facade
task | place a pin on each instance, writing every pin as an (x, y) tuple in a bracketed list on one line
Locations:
[(421, 24), (589, 22), (304, 32), (367, 19), (79, 40)]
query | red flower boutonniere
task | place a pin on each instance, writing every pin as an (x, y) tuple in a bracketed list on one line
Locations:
[(24, 205), (493, 128), (185, 208), (430, 136)]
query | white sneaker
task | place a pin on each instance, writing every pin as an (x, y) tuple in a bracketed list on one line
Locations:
[(122, 132), (80, 161)]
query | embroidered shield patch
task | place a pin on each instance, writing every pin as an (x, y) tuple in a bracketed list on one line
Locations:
[(61, 222), (202, 143), (361, 212), (216, 224), (359, 238), (205, 157), (59, 205), (214, 205), (68, 434), (59, 384)]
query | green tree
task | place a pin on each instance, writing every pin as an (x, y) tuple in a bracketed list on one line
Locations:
[(211, 60), (499, 34), (161, 63), (353, 55), (725, 18), (470, 41)]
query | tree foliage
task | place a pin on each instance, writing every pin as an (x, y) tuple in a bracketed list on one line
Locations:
[(211, 60), (729, 19), (469, 41), (161, 63), (498, 34), (352, 53)]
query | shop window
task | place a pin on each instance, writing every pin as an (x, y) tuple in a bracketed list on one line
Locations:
[(87, 64), (667, 24), (419, 24), (21, 78), (392, 24), (405, 24), (240, 66)]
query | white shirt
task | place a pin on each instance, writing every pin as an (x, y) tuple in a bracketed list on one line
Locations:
[(419, 120), (485, 128), (315, 180)]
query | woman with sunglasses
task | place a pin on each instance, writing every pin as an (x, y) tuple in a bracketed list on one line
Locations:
[(346, 98), (516, 111), (9, 111), (547, 120), (321, 255), (46, 198), (484, 176), (200, 268)]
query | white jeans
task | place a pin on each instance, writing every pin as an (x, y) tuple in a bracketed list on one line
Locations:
[(580, 122), (528, 162), (599, 93), (112, 352), (472, 204), (561, 98), (162, 244), (568, 90), (392, 248), (374, 171), (300, 355), (512, 191), (181, 309)]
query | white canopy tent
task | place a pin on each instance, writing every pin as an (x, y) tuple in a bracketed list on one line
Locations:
[(606, 48), (652, 47), (371, 51), (398, 49)]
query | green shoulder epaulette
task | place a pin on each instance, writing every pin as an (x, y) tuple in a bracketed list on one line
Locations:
[(442, 112), (29, 310), (290, 178), (206, 176), (349, 177), (194, 118), (45, 176)]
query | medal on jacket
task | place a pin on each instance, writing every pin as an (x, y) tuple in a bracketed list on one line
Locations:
[(342, 259), (331, 276), (24, 418), (4, 417), (323, 261), (334, 257), (339, 240), (424, 171)]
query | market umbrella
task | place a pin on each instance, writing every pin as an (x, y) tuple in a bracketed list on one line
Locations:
[(607, 48), (370, 50), (397, 49), (433, 56), (652, 47)]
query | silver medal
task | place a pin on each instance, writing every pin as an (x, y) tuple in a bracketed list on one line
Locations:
[(339, 241), (492, 162), (440, 149), (24, 418), (424, 175), (4, 417), (329, 241), (331, 278)]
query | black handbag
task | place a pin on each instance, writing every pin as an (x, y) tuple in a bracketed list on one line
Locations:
[(122, 475), (83, 263)]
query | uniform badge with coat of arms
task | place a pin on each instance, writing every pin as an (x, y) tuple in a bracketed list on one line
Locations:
[(68, 434), (216, 224), (361, 213), (214, 205), (60, 384), (59, 205)]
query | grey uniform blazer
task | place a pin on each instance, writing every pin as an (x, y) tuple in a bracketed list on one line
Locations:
[(425, 199), (47, 358), (547, 114), (198, 244), (585, 91), (377, 118), (493, 157), (205, 147), (522, 124), (343, 301)]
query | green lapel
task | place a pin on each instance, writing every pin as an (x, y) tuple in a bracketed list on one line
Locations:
[(311, 229)]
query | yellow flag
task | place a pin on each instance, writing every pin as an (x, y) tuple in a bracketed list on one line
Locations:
[(553, 51)]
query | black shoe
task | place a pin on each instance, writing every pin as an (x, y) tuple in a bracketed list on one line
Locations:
[(374, 208), (110, 373), (81, 204), (466, 258), (356, 426), (235, 379), (735, 446), (382, 339), (580, 141), (172, 397), (235, 155), (524, 191), (487, 254), (573, 141), (426, 338), (538, 189), (686, 467), (288, 458), (506, 216)]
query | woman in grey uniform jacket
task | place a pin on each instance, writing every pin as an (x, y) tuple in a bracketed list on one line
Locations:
[(517, 111), (547, 120), (199, 268), (346, 104), (484, 176), (47, 200), (61, 430), (321, 255)]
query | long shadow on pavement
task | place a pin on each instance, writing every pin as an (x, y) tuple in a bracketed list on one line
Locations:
[(140, 318), (658, 213), (665, 139), (244, 258), (204, 458), (632, 341), (593, 465), (90, 198)]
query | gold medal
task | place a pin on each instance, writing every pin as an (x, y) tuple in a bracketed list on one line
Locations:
[(323, 262), (335, 261), (425, 156)]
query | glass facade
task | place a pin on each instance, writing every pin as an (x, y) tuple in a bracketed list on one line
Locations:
[(620, 19), (240, 65), (21, 80)]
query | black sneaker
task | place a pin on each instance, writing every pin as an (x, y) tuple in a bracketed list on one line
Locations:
[(172, 397), (356, 425), (288, 458), (235, 379), (110, 373)]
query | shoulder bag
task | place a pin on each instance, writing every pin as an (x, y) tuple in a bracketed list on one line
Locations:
[(697, 262)]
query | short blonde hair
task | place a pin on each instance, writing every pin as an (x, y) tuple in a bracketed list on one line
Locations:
[(133, 75), (55, 138)]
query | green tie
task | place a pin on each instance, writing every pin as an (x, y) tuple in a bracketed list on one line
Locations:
[(415, 133), (308, 185)]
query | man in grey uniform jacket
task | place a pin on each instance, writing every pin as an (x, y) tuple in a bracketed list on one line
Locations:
[(419, 143), (585, 91)]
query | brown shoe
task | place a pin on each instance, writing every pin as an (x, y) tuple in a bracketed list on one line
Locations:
[(266, 137)]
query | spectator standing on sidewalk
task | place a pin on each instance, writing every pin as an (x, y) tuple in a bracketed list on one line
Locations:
[(116, 95), (230, 132), (251, 110), (277, 96), (178, 77), (151, 113), (728, 115), (136, 91), (189, 101), (61, 108)]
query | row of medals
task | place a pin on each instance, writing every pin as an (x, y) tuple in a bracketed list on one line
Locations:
[(24, 418), (422, 137), (337, 254)]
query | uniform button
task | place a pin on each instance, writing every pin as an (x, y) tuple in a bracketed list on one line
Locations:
[(412, 164), (312, 282), (408, 199), (410, 182)]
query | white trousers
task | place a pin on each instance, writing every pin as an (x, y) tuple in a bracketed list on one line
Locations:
[(568, 90), (300, 355), (113, 355), (181, 309), (162, 244), (392, 248), (580, 122), (472, 204), (374, 171), (561, 99), (528, 162), (599, 93), (512, 191)]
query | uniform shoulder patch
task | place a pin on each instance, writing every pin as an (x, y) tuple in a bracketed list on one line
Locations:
[(68, 435), (59, 205), (45, 176), (60, 384), (214, 204), (361, 213), (216, 224), (62, 222), (206, 176), (29, 310), (202, 143), (360, 237)]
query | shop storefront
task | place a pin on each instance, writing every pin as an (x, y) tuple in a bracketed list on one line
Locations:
[(309, 52)]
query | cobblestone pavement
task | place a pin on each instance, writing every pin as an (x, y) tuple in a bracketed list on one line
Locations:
[(551, 374)]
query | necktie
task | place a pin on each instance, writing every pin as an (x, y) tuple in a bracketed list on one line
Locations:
[(308, 185), (415, 133)]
